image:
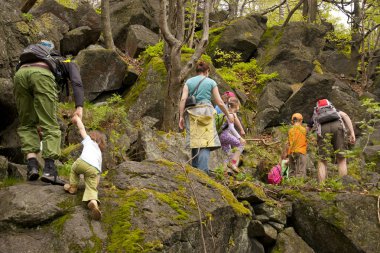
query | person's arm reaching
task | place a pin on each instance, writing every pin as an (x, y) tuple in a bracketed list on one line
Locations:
[(348, 123), (220, 103), (239, 125), (76, 83), (77, 120), (185, 94)]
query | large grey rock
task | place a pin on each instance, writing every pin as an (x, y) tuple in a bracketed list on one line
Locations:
[(250, 192), (291, 51), (78, 39), (125, 13), (74, 13), (3, 167), (29, 205), (320, 86), (157, 145), (270, 102), (372, 154), (138, 39), (7, 103), (335, 62), (345, 222), (241, 36), (274, 213), (289, 242), (161, 206), (146, 96), (110, 70), (270, 235)]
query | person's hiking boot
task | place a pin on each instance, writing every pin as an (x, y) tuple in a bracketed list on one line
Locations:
[(233, 167), (94, 209), (70, 188), (32, 170), (50, 174)]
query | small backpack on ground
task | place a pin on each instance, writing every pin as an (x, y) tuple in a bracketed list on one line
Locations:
[(220, 119), (325, 112), (37, 52), (274, 175)]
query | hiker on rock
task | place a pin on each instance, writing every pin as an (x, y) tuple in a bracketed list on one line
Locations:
[(198, 119), (36, 93), (296, 146), (89, 164), (230, 139), (225, 97), (331, 126)]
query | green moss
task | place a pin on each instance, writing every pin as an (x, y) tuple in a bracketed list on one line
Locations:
[(181, 177), (123, 237), (9, 181), (23, 27), (59, 223), (171, 199), (155, 64), (71, 4), (328, 196), (335, 216), (293, 194), (166, 163), (270, 39), (317, 67), (224, 191), (259, 191)]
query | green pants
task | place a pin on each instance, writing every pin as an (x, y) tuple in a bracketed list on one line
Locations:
[(36, 98), (91, 179)]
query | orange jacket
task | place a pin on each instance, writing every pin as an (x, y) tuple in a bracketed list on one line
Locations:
[(297, 140)]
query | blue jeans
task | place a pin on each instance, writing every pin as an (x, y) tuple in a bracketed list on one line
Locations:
[(200, 160)]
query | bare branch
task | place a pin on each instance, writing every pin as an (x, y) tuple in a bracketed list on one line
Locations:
[(168, 36), (273, 8), (292, 12), (200, 48)]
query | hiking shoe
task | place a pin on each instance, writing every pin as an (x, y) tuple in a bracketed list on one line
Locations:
[(70, 189), (32, 173), (94, 209), (234, 168), (52, 179)]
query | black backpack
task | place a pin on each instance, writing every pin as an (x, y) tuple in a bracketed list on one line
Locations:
[(37, 52)]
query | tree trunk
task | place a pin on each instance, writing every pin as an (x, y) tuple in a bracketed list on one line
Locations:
[(292, 12), (27, 5), (281, 11), (106, 24), (193, 23), (176, 72), (355, 35), (309, 10)]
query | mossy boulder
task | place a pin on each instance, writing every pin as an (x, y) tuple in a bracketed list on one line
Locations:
[(74, 13), (154, 207), (146, 97), (336, 62), (102, 71), (291, 50), (289, 242), (240, 36), (341, 222)]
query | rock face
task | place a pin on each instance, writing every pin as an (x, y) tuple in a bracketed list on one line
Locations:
[(270, 102), (331, 222), (241, 36), (158, 202), (291, 51), (125, 13), (138, 39), (110, 70), (320, 86), (78, 39), (335, 62)]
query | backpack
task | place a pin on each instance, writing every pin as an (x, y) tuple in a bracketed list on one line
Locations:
[(325, 112), (220, 119), (274, 175), (37, 52)]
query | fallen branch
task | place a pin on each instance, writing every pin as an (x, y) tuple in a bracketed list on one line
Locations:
[(263, 141), (292, 12), (273, 8)]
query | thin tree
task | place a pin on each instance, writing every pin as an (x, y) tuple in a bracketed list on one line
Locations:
[(173, 34), (27, 5), (106, 24)]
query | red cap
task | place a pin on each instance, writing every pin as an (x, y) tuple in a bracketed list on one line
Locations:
[(229, 94)]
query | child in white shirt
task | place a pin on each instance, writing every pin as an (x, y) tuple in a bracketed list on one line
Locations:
[(90, 165)]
